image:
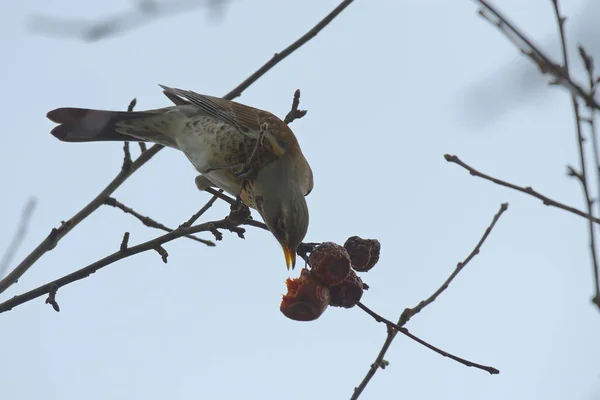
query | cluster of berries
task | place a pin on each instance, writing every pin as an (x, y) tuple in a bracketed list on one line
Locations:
[(331, 279)]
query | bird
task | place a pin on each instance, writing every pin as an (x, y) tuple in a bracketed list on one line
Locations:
[(247, 152)]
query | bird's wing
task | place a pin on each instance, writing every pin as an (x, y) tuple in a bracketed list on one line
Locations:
[(239, 115), (246, 119)]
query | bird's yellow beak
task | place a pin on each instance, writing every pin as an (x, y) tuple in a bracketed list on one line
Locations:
[(290, 256)]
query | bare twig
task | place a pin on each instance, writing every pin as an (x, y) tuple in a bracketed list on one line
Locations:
[(583, 178), (58, 233), (404, 318), (51, 299), (126, 153), (82, 273), (132, 104), (410, 312), (492, 15), (294, 113), (19, 236), (91, 31), (111, 201), (124, 242), (527, 190), (200, 212), (593, 82), (405, 332), (162, 252), (588, 62), (126, 157), (289, 50)]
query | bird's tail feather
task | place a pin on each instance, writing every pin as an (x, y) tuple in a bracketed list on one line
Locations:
[(85, 125)]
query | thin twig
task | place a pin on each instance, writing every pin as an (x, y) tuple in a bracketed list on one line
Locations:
[(126, 153), (588, 62), (125, 242), (289, 50), (126, 157), (51, 299), (58, 233), (532, 51), (410, 312), (19, 236), (583, 177), (220, 195), (295, 113), (405, 332), (404, 318), (200, 212), (111, 201), (162, 252), (593, 82), (154, 244), (145, 12), (132, 104), (527, 190)]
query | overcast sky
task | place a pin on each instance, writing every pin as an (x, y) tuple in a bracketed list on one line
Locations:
[(390, 86)]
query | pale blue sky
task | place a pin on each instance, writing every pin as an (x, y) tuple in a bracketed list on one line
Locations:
[(385, 85)]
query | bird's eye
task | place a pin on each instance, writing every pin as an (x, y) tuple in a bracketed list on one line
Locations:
[(281, 225)]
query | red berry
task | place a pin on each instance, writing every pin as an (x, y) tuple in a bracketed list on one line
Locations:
[(330, 263), (306, 298), (364, 253), (347, 293)]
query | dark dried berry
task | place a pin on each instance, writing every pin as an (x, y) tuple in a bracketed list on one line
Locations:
[(364, 253), (330, 263), (347, 293), (306, 298)]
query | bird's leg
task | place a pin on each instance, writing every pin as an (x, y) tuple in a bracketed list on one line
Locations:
[(238, 198), (239, 212), (247, 170)]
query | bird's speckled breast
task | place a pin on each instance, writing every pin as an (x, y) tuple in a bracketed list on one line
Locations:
[(219, 150)]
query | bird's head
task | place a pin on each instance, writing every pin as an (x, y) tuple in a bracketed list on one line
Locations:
[(283, 208)]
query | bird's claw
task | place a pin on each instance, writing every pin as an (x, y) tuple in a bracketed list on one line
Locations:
[(238, 212)]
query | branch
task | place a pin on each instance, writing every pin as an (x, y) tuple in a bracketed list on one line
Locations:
[(111, 201), (19, 236), (527, 47), (562, 77), (123, 252), (393, 329), (593, 81), (288, 50), (527, 190), (58, 233), (91, 31), (588, 62), (583, 178), (410, 312), (294, 113), (405, 332)]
